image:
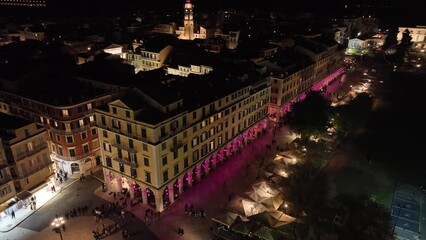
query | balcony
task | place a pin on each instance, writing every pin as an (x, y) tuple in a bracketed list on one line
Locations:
[(71, 131), (75, 158), (125, 161), (30, 153), (124, 147), (176, 146), (39, 168)]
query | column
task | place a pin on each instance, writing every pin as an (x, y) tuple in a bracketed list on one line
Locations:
[(159, 201), (144, 197), (180, 184), (206, 166), (190, 178), (198, 173), (171, 195)]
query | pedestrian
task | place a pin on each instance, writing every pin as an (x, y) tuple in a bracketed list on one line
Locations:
[(13, 214)]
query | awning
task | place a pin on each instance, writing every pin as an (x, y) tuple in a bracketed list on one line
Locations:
[(23, 195)]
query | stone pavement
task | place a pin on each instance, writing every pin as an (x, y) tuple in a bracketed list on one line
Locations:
[(43, 194), (211, 195)]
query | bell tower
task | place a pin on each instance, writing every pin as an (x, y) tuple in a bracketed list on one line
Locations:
[(188, 21)]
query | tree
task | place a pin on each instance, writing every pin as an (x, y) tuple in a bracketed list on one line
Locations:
[(310, 116), (366, 219), (406, 39), (391, 39), (353, 114)]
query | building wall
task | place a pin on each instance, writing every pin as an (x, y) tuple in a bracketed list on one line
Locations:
[(156, 157), (29, 155), (7, 189), (147, 60), (418, 34), (71, 134)]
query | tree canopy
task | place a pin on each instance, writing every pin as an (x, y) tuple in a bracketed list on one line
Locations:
[(310, 116)]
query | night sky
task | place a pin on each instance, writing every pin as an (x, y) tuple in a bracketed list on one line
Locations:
[(403, 12)]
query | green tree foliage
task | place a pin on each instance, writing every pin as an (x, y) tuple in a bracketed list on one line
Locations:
[(354, 114), (310, 116), (366, 219)]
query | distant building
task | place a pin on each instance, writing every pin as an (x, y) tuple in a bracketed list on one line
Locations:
[(116, 49), (27, 154), (32, 33), (24, 3), (149, 56), (418, 35), (184, 71), (231, 38)]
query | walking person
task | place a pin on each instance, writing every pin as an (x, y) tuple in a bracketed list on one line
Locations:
[(13, 214)]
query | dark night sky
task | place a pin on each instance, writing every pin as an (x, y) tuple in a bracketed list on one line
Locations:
[(407, 11)]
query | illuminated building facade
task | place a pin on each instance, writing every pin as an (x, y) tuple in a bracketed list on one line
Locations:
[(157, 143), (187, 32), (26, 152), (7, 188), (68, 117), (285, 88), (418, 35), (148, 57)]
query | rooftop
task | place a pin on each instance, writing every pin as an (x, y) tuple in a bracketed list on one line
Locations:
[(11, 122)]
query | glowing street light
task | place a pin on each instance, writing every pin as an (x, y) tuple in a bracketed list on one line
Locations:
[(57, 223)]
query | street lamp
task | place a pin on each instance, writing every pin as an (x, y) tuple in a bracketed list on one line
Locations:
[(57, 223)]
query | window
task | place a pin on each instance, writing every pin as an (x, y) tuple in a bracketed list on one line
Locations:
[(203, 123), (219, 141), (185, 162), (86, 148), (184, 134), (117, 139), (92, 118), (53, 147), (133, 172), (70, 139), (185, 148), (65, 113), (103, 121), (204, 150), (58, 137), (203, 136), (83, 135), (145, 147), (89, 106), (211, 132), (105, 134), (147, 177), (194, 128), (146, 161), (163, 146), (115, 124), (30, 146), (41, 120), (175, 154), (127, 114), (61, 152), (129, 128), (176, 169), (212, 145), (79, 109), (56, 124), (131, 143), (165, 176), (194, 141), (94, 132), (71, 152), (121, 167), (164, 160), (67, 127), (26, 133), (211, 119), (195, 156), (114, 110), (107, 147), (143, 132)]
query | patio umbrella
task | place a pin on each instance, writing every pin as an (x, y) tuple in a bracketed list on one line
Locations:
[(268, 234), (224, 219)]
